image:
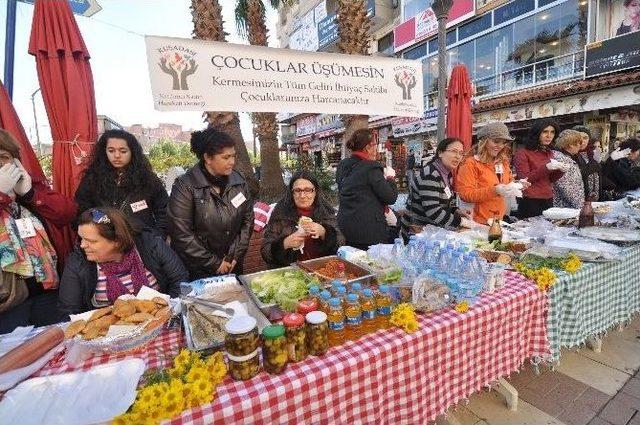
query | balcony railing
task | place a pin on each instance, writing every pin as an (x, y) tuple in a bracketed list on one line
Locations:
[(542, 72)]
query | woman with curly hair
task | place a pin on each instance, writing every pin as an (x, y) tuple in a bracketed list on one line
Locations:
[(120, 176)]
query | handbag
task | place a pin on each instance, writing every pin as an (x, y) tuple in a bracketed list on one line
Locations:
[(13, 291)]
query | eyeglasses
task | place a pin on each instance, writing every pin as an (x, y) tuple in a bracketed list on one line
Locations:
[(99, 217), (456, 153), (308, 191)]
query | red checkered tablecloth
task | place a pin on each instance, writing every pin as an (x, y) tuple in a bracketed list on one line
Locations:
[(388, 376)]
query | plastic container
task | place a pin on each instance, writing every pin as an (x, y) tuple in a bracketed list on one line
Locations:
[(356, 288), (368, 306), (353, 313), (274, 349), (314, 293), (242, 368), (307, 306), (317, 333), (335, 320), (242, 336), (325, 296), (383, 307), (341, 294), (296, 336)]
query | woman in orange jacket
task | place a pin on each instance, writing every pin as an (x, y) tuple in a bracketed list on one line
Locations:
[(483, 179)]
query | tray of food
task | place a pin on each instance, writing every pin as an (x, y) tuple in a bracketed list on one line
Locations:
[(610, 234), (383, 272), (207, 309), (125, 326), (283, 287), (327, 269)]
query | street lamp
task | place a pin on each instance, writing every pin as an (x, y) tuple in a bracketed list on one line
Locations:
[(441, 9), (35, 119)]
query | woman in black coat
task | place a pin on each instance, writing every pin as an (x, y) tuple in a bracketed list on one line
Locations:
[(286, 231), (113, 260), (210, 209), (620, 167), (120, 176), (365, 191)]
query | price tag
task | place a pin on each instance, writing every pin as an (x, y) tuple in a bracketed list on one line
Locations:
[(238, 200), (139, 206), (447, 192), (25, 228)]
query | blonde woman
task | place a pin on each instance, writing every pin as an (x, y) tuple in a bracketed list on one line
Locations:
[(484, 179), (568, 190)]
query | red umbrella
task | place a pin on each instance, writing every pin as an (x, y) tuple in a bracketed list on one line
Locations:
[(10, 122), (459, 119), (62, 60)]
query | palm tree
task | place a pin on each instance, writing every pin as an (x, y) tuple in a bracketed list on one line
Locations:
[(209, 25), (250, 20), (353, 39)]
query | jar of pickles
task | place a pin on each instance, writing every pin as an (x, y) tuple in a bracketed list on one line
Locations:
[(307, 306), (242, 368), (242, 336), (274, 349), (317, 333), (296, 336)]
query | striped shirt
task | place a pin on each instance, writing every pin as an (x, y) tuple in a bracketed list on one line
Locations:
[(100, 298), (430, 200)]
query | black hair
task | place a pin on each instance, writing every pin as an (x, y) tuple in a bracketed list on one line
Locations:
[(210, 142), (445, 143), (632, 143), (533, 139), (582, 129), (287, 201), (100, 175), (360, 139)]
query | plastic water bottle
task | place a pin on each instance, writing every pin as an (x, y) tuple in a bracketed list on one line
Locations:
[(398, 248), (353, 314)]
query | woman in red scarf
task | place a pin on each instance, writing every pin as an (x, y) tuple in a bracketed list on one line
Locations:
[(365, 190), (114, 260), (289, 237)]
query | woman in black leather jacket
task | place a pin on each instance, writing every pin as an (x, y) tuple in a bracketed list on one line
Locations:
[(210, 210)]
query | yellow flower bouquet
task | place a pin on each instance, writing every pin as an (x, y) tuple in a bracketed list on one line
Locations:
[(404, 317), (191, 382)]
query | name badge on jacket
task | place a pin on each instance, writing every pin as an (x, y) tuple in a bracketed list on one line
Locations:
[(499, 169), (238, 200), (25, 228), (139, 206)]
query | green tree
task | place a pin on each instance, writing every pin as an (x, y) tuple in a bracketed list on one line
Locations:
[(168, 153)]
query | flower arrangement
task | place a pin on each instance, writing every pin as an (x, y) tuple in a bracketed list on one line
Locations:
[(404, 317), (462, 306), (541, 270), (166, 393)]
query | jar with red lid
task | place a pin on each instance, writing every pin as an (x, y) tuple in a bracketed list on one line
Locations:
[(307, 306), (294, 324)]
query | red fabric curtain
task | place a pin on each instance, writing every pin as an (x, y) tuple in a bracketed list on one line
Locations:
[(459, 118), (10, 122), (62, 61)]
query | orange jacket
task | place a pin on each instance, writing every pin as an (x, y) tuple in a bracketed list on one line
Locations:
[(475, 183)]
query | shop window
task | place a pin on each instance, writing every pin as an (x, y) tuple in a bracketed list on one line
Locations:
[(385, 44), (416, 52), (512, 10), (430, 74), (474, 27), (433, 45)]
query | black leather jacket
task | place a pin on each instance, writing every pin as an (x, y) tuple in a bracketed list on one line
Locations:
[(205, 226)]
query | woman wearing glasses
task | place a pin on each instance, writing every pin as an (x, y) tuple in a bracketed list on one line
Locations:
[(484, 178), (302, 226), (535, 163), (120, 176), (114, 260), (365, 191), (32, 242), (210, 209), (431, 196)]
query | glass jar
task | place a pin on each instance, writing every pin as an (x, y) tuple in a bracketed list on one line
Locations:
[(296, 336), (274, 349), (317, 333), (242, 368), (242, 336), (307, 306)]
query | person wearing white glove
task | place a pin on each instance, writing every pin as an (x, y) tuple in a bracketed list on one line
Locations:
[(467, 223), (9, 176), (554, 165), (23, 186), (620, 168), (389, 173), (569, 190), (503, 189)]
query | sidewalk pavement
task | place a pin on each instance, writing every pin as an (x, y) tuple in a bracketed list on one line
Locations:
[(588, 387)]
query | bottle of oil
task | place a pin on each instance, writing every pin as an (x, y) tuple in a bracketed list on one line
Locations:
[(495, 231), (353, 313), (586, 217), (368, 305), (383, 307), (335, 318)]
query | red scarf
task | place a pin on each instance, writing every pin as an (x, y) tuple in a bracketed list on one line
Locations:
[(311, 248), (131, 264), (365, 157)]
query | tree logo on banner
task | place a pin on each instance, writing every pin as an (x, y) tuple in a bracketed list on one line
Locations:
[(179, 62), (406, 80)]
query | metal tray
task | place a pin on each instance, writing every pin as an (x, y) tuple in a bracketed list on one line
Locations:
[(363, 275), (246, 280)]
